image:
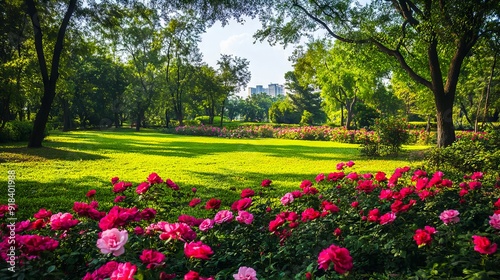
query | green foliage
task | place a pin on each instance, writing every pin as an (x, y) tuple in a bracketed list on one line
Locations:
[(391, 134), (307, 118), (468, 154), (17, 131), (375, 220), (283, 112)]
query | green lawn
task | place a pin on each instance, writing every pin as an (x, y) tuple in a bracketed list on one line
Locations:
[(72, 163)]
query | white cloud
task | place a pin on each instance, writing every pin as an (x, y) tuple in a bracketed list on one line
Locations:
[(234, 43)]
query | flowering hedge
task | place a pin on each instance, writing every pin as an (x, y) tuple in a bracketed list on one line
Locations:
[(321, 133), (341, 224)]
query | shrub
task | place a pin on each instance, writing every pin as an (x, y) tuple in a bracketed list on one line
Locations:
[(408, 225), (471, 152), (392, 133), (17, 131)]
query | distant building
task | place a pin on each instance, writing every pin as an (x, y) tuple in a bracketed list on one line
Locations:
[(273, 90)]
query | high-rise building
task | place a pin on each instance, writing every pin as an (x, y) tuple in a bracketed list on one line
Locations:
[(273, 90)]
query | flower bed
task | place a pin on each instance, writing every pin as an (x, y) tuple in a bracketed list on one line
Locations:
[(341, 224)]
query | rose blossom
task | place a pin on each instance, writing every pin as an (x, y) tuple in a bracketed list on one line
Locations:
[(241, 204), (153, 178), (143, 187), (223, 216), (423, 236), (483, 245), (266, 183), (495, 221), (206, 224), (62, 221), (113, 241), (287, 199), (213, 204), (244, 217), (387, 218), (195, 201), (247, 193), (179, 231), (245, 273), (90, 193), (449, 217), (340, 257), (197, 250), (124, 271), (320, 177), (151, 258), (43, 213)]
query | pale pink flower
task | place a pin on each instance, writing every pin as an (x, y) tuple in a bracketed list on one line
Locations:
[(287, 199), (245, 273), (449, 217), (223, 216), (206, 224), (113, 241), (244, 217), (495, 221)]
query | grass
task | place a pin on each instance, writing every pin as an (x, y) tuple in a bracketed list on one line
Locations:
[(72, 163)]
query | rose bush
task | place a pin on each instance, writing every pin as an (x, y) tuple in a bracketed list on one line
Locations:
[(408, 224)]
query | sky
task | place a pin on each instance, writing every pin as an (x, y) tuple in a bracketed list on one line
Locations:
[(268, 64)]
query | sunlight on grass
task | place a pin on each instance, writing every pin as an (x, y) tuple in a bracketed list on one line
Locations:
[(72, 163)]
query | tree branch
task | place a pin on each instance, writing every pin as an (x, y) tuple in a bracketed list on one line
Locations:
[(328, 29)]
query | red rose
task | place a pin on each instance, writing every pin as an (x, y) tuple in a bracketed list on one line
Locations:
[(266, 183), (309, 214), (90, 193), (194, 202), (143, 187), (172, 185), (213, 204), (153, 178), (247, 193)]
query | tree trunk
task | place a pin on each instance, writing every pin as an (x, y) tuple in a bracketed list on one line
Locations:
[(66, 115), (167, 118), (49, 82), (444, 118), (222, 113)]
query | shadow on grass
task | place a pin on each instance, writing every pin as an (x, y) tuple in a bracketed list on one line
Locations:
[(168, 145), (21, 154)]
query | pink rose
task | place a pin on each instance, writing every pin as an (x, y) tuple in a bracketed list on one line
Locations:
[(247, 193), (197, 250), (287, 199), (320, 178), (143, 187), (43, 213), (495, 221), (179, 231), (245, 273), (244, 217), (483, 245), (340, 257), (113, 241), (124, 271), (223, 216), (206, 224), (153, 178), (152, 258), (387, 218), (62, 221), (449, 217)]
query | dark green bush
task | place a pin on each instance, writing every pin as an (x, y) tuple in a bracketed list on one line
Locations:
[(391, 134), (17, 131), (468, 155)]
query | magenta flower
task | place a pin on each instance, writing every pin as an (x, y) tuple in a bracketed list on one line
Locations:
[(483, 245), (206, 224), (387, 218), (124, 271), (495, 221)]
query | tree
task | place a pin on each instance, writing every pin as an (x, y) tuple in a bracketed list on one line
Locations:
[(305, 98), (428, 39), (234, 74), (49, 78)]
